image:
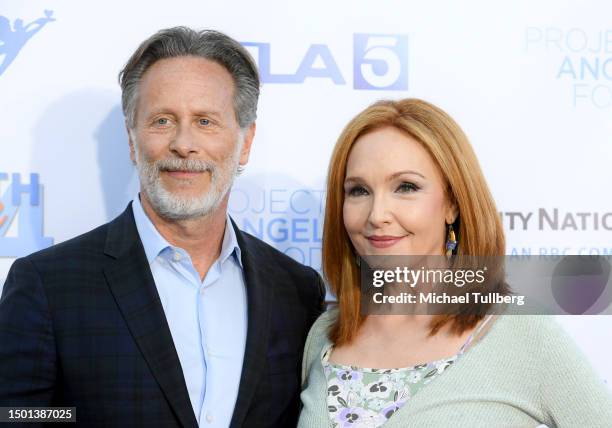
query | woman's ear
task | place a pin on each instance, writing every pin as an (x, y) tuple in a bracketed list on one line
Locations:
[(452, 211)]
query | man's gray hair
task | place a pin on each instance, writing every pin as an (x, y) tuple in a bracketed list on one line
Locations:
[(207, 44)]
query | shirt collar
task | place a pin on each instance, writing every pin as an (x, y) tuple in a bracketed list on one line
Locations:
[(230, 245), (154, 243)]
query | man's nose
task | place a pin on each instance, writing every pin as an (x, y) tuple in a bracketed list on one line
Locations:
[(183, 142)]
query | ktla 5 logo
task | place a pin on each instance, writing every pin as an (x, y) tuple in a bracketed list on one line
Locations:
[(21, 211), (380, 62)]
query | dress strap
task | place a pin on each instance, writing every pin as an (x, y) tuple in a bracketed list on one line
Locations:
[(475, 333)]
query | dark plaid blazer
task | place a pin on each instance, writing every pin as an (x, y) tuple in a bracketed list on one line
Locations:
[(81, 324)]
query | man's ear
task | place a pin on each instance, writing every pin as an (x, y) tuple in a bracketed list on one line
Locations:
[(249, 134), (131, 144)]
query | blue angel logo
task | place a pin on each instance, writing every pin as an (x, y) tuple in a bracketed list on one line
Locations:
[(13, 38)]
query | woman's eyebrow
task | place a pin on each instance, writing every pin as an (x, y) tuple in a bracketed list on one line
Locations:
[(352, 179), (409, 171)]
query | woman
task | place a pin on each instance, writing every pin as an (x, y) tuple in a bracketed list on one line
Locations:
[(404, 180)]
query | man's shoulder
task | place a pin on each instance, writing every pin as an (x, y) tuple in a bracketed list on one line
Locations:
[(84, 245), (88, 246)]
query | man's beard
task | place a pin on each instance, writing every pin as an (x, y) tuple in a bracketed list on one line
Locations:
[(174, 207)]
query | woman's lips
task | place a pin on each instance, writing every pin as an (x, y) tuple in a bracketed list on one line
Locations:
[(383, 241)]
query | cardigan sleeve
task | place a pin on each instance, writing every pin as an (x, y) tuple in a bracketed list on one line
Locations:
[(572, 393), (317, 337)]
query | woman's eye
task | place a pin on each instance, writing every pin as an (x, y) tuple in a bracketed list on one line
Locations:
[(204, 122), (357, 191), (407, 187)]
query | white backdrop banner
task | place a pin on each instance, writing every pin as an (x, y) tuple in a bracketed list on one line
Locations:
[(529, 82)]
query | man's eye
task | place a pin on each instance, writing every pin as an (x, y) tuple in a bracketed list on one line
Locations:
[(357, 191), (204, 122), (406, 187), (162, 121)]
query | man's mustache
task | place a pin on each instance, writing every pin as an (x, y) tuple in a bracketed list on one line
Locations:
[(184, 165)]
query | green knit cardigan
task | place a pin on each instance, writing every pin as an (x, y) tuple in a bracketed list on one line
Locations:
[(524, 372)]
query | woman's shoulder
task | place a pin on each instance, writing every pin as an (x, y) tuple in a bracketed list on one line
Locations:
[(327, 318), (318, 338), (320, 329), (530, 326), (569, 386), (535, 333)]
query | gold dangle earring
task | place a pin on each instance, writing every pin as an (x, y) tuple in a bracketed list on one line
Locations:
[(451, 241)]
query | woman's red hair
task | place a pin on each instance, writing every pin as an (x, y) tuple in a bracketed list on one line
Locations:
[(479, 226)]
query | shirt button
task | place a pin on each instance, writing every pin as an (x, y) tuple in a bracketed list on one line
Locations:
[(209, 418), (177, 256), (202, 291)]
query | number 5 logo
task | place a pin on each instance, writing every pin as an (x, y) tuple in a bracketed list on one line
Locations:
[(380, 61)]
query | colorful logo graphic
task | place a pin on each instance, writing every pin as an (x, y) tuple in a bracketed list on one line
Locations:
[(13, 38), (380, 62), (21, 211)]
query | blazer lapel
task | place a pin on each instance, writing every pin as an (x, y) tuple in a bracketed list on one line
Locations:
[(259, 303), (129, 277)]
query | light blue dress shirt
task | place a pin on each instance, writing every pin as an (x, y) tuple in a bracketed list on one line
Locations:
[(207, 319)]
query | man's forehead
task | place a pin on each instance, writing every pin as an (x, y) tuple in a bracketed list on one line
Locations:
[(198, 82), (171, 68)]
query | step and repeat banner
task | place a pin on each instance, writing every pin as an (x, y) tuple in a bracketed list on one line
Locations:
[(529, 82)]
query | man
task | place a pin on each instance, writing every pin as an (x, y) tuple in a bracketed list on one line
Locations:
[(169, 315)]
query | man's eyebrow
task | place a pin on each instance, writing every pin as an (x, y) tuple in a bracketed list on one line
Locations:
[(207, 113), (169, 110)]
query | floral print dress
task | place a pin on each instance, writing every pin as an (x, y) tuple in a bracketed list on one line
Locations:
[(367, 398)]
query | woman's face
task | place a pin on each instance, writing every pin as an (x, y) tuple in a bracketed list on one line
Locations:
[(394, 197)]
